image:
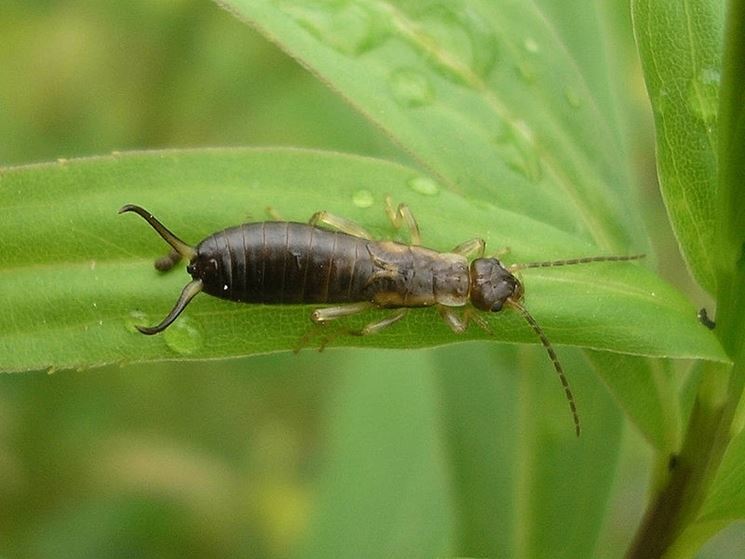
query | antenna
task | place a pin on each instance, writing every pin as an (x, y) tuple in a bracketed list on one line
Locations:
[(554, 359), (573, 261)]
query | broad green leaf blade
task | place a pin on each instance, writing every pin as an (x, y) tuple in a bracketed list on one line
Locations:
[(644, 390), (76, 276), (486, 96), (525, 485), (383, 490), (680, 48)]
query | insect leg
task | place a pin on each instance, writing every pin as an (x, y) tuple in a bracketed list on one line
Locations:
[(458, 324), (504, 251), (340, 223), (378, 325), (473, 248), (273, 214), (401, 215), (167, 262), (319, 316)]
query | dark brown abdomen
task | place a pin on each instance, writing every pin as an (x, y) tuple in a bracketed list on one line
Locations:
[(284, 262)]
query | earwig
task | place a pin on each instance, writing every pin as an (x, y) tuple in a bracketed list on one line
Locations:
[(279, 262)]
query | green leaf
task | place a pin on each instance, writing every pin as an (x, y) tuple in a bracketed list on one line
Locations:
[(485, 96), (726, 499), (524, 485), (731, 201), (76, 276), (680, 48), (383, 488), (643, 388)]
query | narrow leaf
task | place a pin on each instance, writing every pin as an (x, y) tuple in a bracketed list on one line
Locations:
[(680, 48), (383, 489), (524, 485), (77, 278), (726, 500)]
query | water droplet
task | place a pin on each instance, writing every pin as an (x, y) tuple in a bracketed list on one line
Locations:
[(184, 336), (530, 45), (526, 72), (350, 28), (517, 147), (135, 319), (363, 199), (703, 94), (424, 185), (572, 97), (411, 88), (483, 204), (457, 42), (661, 102)]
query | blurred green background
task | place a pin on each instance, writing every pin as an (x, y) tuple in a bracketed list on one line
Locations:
[(239, 457)]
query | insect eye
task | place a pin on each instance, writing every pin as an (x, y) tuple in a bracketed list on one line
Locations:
[(496, 307)]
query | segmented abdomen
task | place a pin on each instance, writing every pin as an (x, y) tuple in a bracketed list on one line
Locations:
[(284, 262)]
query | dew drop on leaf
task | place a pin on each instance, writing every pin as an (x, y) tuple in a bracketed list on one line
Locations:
[(572, 97), (530, 45), (517, 148), (424, 185), (135, 319), (184, 336), (526, 72), (703, 94), (457, 42), (411, 88), (363, 199), (351, 28)]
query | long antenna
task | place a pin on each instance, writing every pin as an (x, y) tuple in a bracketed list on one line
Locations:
[(572, 261), (554, 359)]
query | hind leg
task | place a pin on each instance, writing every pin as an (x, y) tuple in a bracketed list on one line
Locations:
[(324, 315)]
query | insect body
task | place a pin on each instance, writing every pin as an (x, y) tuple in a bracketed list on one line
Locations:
[(278, 262)]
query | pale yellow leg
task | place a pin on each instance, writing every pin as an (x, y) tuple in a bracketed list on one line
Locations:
[(340, 224), (473, 248), (377, 326), (273, 214), (325, 314), (401, 215), (458, 324)]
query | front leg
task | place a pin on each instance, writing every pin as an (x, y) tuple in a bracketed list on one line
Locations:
[(458, 324), (473, 248)]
